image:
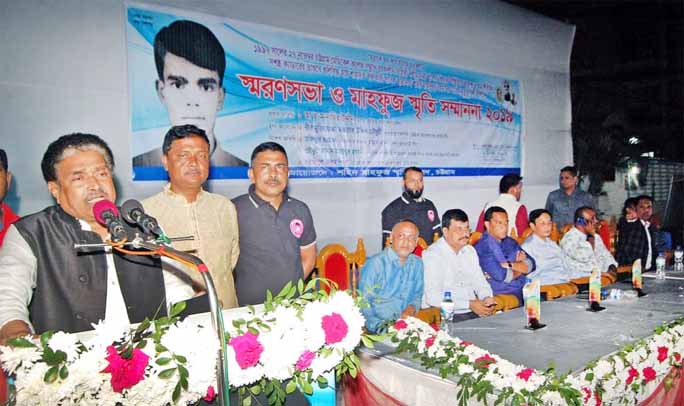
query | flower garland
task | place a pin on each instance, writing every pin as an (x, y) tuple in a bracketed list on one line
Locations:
[(167, 361), (618, 378)]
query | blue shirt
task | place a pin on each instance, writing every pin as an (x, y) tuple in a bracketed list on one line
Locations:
[(492, 253), (548, 257), (390, 287), (562, 206)]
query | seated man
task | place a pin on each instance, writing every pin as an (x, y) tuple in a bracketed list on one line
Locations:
[(46, 284), (546, 253), (583, 250), (637, 234), (392, 280), (7, 216), (501, 258), (452, 265)]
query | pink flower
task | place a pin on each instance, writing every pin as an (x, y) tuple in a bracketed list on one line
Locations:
[(662, 354), (211, 394), (126, 372), (429, 341), (434, 326), (649, 374), (633, 373), (587, 394), (247, 349), (305, 360), (335, 328), (484, 361), (677, 356), (400, 324), (525, 374), (465, 343)]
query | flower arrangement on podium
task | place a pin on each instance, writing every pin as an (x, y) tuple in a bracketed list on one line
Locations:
[(619, 378), (301, 334)]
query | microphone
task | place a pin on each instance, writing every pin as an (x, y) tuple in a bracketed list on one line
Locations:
[(107, 214), (134, 213)]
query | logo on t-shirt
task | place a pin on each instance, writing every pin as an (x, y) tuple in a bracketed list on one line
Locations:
[(297, 227), (431, 215)]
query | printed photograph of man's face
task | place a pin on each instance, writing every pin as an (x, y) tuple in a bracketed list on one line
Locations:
[(190, 63)]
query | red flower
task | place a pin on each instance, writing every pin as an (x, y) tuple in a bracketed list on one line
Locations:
[(633, 373), (525, 374), (649, 374), (677, 356), (429, 342), (587, 394), (247, 349), (484, 361), (126, 372), (597, 397), (304, 360), (335, 328), (211, 394), (434, 326), (662, 354), (400, 324), (465, 343)]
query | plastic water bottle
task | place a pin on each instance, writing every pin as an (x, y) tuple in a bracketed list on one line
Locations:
[(446, 310), (660, 266), (678, 259)]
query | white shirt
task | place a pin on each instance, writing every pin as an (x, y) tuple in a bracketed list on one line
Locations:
[(458, 272), (649, 257), (578, 256), (18, 267)]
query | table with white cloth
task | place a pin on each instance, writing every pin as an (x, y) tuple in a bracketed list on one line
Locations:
[(572, 338)]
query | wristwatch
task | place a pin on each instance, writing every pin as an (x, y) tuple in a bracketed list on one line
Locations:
[(510, 266)]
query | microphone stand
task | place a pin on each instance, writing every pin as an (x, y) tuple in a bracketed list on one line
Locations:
[(160, 249)]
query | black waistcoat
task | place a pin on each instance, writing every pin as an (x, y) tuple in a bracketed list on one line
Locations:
[(71, 285)]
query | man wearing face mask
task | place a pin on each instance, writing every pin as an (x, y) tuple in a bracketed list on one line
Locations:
[(47, 284), (411, 205)]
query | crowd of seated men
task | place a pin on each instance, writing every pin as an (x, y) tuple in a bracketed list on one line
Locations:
[(276, 242)]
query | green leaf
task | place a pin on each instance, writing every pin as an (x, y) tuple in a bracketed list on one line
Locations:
[(183, 372), (256, 390), (180, 358), (300, 286), (45, 337), (184, 383), (63, 372), (247, 401), (306, 387), (177, 308), (143, 326), (20, 342), (167, 373), (291, 386), (141, 344), (163, 361), (51, 375), (176, 393)]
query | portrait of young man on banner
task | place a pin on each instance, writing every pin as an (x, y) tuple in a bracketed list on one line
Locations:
[(190, 63)]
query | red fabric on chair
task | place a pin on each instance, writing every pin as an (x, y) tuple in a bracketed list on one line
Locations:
[(337, 269), (360, 391), (662, 397), (418, 251), (3, 387)]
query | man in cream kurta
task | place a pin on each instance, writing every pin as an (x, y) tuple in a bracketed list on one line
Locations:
[(183, 208)]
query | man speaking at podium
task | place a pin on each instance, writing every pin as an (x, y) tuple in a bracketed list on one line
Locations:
[(47, 284)]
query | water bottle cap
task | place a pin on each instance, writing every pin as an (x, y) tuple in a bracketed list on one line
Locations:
[(447, 294)]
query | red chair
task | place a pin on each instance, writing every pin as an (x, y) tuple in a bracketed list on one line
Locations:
[(3, 387), (337, 264)]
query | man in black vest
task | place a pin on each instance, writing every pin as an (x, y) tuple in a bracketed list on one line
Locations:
[(46, 284)]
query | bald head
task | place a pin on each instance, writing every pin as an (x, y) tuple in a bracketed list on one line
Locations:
[(404, 238)]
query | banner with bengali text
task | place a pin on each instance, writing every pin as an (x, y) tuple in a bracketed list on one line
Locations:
[(339, 110)]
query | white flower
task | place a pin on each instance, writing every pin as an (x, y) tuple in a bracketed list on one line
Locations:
[(602, 368), (342, 303), (321, 365), (12, 357), (283, 343), (65, 342), (552, 398), (465, 369), (106, 333)]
